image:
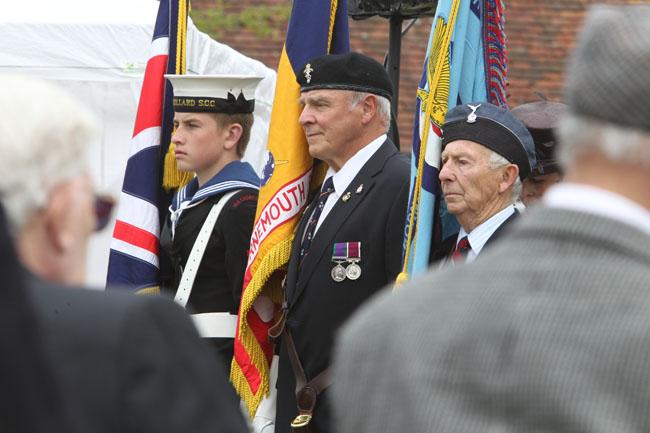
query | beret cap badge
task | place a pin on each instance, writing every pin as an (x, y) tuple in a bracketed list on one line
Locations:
[(471, 118), (493, 127), (350, 71), (308, 71)]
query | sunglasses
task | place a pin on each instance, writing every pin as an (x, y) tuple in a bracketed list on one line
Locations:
[(103, 207)]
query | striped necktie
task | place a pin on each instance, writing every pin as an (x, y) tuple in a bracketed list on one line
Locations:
[(326, 190)]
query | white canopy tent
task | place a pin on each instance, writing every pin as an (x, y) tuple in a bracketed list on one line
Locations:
[(98, 51)]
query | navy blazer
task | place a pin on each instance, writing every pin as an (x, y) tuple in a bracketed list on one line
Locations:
[(374, 215)]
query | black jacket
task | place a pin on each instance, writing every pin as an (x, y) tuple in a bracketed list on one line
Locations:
[(317, 304), (218, 283), (219, 280), (132, 363)]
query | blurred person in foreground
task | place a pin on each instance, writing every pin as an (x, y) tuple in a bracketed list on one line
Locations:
[(124, 363), (26, 375), (549, 331), (541, 118)]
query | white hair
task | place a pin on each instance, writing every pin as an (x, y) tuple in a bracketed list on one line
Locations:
[(44, 134), (619, 143), (383, 106), (498, 161)]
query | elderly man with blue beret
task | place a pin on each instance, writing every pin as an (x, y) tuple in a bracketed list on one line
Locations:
[(487, 154)]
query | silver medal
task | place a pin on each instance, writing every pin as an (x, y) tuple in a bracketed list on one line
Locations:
[(338, 273), (353, 271)]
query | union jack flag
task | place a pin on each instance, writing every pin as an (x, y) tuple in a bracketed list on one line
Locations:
[(134, 256)]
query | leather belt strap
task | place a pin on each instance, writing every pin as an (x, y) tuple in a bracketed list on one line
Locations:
[(215, 325), (307, 392), (275, 331)]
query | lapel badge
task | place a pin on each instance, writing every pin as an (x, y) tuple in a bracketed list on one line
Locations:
[(307, 72), (360, 189), (346, 196), (471, 118)]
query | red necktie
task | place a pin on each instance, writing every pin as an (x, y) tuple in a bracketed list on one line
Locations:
[(459, 255)]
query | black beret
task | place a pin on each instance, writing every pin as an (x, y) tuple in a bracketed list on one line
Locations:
[(493, 127), (541, 118), (350, 71)]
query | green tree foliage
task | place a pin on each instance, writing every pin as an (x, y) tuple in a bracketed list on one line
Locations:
[(263, 20)]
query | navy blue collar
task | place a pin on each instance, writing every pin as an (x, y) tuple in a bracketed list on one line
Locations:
[(235, 175)]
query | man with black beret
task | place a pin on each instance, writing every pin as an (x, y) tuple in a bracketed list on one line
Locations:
[(541, 118), (348, 244), (487, 153)]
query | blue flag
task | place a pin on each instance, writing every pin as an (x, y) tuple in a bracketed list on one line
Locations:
[(465, 62)]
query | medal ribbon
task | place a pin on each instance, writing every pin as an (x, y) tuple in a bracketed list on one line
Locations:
[(346, 251), (354, 251)]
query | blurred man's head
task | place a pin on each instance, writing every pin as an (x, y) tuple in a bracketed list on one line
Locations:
[(541, 118), (605, 138), (486, 154), (44, 186)]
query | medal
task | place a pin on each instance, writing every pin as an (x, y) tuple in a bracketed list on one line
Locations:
[(338, 273), (353, 271), (339, 256)]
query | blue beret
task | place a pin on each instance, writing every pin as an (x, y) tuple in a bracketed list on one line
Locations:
[(350, 71), (495, 128)]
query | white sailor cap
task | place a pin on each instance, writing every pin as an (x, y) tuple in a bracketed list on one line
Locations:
[(231, 94)]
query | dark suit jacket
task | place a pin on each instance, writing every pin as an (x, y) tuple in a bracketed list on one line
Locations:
[(443, 250), (130, 363), (318, 305), (30, 400)]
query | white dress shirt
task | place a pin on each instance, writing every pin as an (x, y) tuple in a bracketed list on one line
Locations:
[(481, 233), (342, 178), (598, 201)]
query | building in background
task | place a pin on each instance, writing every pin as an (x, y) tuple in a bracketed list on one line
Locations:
[(540, 36)]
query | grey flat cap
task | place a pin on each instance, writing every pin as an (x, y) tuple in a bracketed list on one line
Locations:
[(608, 76)]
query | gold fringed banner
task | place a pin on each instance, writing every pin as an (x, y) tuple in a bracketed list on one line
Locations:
[(172, 178)]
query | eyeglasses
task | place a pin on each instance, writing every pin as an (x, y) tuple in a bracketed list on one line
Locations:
[(103, 207)]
